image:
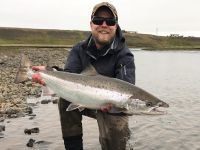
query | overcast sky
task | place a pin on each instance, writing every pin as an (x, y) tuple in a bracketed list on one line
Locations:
[(162, 17)]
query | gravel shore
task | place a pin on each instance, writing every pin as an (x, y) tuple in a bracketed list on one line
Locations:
[(13, 96)]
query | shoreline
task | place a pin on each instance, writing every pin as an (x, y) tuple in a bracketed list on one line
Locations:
[(68, 47), (34, 46), (13, 96)]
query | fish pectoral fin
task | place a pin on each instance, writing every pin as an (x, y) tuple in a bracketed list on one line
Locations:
[(74, 106), (120, 110), (117, 110), (81, 108)]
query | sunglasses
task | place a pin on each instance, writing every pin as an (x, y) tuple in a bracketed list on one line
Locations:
[(100, 20)]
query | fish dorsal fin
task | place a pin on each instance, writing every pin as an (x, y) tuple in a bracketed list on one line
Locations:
[(90, 71), (73, 107)]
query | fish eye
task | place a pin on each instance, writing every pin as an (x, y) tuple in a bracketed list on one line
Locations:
[(149, 104), (160, 104)]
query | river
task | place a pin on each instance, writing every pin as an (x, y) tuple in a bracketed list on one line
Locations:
[(173, 76)]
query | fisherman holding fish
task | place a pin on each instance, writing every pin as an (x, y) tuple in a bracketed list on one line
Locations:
[(97, 81), (106, 50)]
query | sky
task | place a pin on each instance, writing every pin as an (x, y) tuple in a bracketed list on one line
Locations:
[(158, 17)]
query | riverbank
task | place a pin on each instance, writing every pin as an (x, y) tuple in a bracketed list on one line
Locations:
[(13, 96), (10, 46), (18, 115)]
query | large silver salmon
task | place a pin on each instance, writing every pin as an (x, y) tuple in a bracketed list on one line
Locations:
[(91, 90)]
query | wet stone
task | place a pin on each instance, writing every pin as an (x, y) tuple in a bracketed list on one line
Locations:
[(2, 119), (43, 142), (30, 143), (1, 135), (12, 116), (45, 101), (2, 62), (32, 117), (33, 130), (29, 110), (27, 131), (29, 84), (2, 128), (11, 111), (55, 101)]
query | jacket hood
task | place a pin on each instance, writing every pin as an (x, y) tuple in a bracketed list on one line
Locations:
[(120, 40)]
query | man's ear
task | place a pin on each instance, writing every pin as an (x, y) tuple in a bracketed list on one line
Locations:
[(90, 24), (116, 26)]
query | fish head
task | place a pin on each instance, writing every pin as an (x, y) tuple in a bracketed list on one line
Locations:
[(146, 104)]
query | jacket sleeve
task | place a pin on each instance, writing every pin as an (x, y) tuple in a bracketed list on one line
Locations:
[(73, 63), (125, 68)]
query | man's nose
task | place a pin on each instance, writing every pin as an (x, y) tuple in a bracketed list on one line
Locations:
[(104, 23)]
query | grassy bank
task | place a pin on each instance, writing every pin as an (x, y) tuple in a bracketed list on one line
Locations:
[(20, 37)]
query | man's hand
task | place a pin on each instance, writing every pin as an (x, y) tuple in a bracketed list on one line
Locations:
[(36, 77), (106, 108)]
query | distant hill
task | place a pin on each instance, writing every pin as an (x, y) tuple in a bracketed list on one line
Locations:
[(9, 36), (40, 36)]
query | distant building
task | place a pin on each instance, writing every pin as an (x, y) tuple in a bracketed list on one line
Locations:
[(175, 35), (131, 32)]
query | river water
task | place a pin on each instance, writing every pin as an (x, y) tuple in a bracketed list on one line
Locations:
[(173, 76)]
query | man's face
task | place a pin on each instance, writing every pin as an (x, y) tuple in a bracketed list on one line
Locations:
[(103, 34)]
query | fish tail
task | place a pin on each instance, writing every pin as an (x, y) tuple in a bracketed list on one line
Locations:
[(23, 70)]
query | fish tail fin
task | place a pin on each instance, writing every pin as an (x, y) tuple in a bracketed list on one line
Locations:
[(24, 68)]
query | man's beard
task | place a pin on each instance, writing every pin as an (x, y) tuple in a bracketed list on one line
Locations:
[(102, 42)]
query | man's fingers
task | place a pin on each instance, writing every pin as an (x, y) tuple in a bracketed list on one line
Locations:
[(106, 108), (37, 78), (42, 82), (38, 68)]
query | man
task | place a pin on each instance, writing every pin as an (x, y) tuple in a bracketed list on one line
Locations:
[(106, 50)]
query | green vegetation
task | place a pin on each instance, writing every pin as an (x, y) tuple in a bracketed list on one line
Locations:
[(152, 42), (40, 36), (66, 38)]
